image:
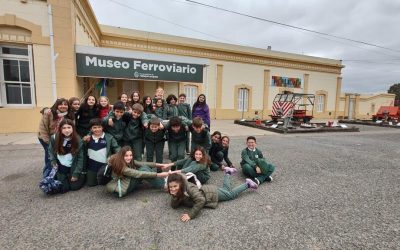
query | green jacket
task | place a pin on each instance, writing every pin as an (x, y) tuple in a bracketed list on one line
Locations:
[(201, 139), (202, 171), (251, 157), (117, 130), (170, 110), (206, 196), (77, 161), (160, 113), (134, 127), (156, 137), (120, 184), (185, 110)]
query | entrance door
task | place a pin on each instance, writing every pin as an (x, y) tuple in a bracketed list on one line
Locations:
[(129, 86), (191, 94)]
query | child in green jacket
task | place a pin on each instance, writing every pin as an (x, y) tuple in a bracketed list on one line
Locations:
[(136, 121), (177, 138), (154, 138), (99, 147), (66, 154), (200, 135), (198, 164), (113, 123), (129, 174), (185, 110), (188, 194), (253, 163)]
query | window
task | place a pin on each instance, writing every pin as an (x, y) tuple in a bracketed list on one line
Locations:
[(320, 103), (243, 99), (16, 81), (191, 94)]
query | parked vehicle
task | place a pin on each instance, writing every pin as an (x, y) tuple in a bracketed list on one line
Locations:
[(299, 107), (387, 113)]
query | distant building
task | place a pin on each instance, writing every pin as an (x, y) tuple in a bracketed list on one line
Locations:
[(363, 106)]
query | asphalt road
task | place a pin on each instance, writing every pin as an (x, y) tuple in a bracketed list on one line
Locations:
[(330, 191)]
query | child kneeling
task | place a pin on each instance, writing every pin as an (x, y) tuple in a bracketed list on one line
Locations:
[(188, 194)]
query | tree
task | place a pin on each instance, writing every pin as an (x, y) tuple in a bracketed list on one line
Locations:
[(395, 89)]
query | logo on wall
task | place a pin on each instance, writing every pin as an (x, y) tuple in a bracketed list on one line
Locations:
[(136, 74), (280, 81)]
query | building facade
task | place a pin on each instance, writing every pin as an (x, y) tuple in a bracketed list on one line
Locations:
[(237, 80)]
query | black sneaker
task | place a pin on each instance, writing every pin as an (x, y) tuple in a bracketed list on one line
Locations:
[(269, 179)]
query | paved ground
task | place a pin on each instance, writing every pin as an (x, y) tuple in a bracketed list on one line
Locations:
[(331, 191)]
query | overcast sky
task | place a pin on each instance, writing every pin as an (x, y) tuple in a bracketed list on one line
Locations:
[(368, 69)]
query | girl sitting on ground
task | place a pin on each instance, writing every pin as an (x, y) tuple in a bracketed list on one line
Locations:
[(225, 150), (197, 164), (66, 154), (129, 174), (216, 152), (188, 194)]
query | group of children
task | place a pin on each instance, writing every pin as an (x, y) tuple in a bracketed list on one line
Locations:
[(80, 139)]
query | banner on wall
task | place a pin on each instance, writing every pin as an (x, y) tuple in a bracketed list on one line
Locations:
[(130, 68), (280, 81)]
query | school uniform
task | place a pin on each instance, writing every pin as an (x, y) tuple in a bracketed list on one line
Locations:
[(200, 139), (47, 127), (160, 113), (206, 196), (154, 142), (185, 111), (217, 156), (202, 171), (83, 118), (98, 150), (132, 177), (69, 165), (253, 158), (170, 111), (133, 133), (117, 130), (176, 143)]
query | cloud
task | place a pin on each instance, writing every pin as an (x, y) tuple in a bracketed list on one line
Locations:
[(370, 21)]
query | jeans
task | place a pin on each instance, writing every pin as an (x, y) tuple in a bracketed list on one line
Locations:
[(47, 164)]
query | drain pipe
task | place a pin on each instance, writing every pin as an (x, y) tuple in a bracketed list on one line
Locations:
[(52, 55)]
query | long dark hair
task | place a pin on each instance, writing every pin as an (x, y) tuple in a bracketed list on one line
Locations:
[(148, 108), (117, 161), (59, 141), (131, 102), (180, 179), (85, 107), (205, 160), (197, 103), (54, 108)]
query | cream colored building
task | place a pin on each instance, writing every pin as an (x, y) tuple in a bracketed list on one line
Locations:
[(362, 107), (237, 80)]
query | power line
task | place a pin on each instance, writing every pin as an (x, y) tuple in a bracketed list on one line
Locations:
[(168, 21), (291, 26)]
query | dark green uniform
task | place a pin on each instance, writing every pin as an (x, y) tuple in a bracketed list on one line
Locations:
[(200, 139), (117, 130), (253, 158), (154, 142), (202, 171), (133, 133)]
